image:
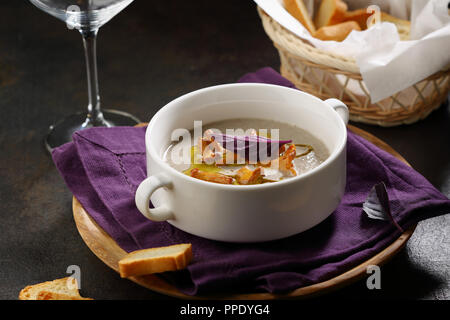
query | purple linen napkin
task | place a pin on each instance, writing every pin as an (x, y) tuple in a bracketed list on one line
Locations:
[(103, 167)]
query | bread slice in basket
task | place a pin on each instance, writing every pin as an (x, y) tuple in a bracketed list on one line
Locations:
[(361, 16), (298, 10), (330, 12), (156, 260), (337, 32), (59, 289)]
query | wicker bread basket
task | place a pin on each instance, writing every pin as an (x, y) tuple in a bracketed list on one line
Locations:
[(327, 75)]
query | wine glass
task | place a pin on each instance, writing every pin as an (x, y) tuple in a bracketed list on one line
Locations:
[(87, 16)]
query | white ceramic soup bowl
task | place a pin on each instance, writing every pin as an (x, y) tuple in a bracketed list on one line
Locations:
[(239, 213)]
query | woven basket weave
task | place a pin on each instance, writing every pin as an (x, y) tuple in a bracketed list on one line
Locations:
[(327, 75)]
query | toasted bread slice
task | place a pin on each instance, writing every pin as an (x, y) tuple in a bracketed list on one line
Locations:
[(330, 12), (155, 260), (50, 295), (298, 10), (66, 286), (360, 16), (337, 32)]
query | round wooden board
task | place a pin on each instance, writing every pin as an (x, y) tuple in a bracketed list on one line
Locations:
[(107, 250)]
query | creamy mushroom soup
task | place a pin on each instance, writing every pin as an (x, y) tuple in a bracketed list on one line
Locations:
[(246, 152)]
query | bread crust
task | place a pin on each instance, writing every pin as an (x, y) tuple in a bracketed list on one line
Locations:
[(330, 12), (131, 265), (298, 10), (49, 295), (58, 289), (360, 16), (337, 32)]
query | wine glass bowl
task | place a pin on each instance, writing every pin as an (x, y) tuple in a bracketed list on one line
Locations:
[(82, 14), (87, 16)]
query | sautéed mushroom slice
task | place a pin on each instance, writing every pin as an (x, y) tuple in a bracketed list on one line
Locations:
[(211, 176)]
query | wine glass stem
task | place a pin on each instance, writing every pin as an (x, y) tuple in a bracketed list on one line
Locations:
[(94, 115)]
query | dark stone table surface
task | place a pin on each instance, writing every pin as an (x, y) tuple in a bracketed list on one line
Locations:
[(151, 53)]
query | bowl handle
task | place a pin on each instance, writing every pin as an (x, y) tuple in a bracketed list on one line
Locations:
[(145, 191), (340, 108)]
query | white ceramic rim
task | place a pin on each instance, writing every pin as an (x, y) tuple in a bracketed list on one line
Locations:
[(187, 178)]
